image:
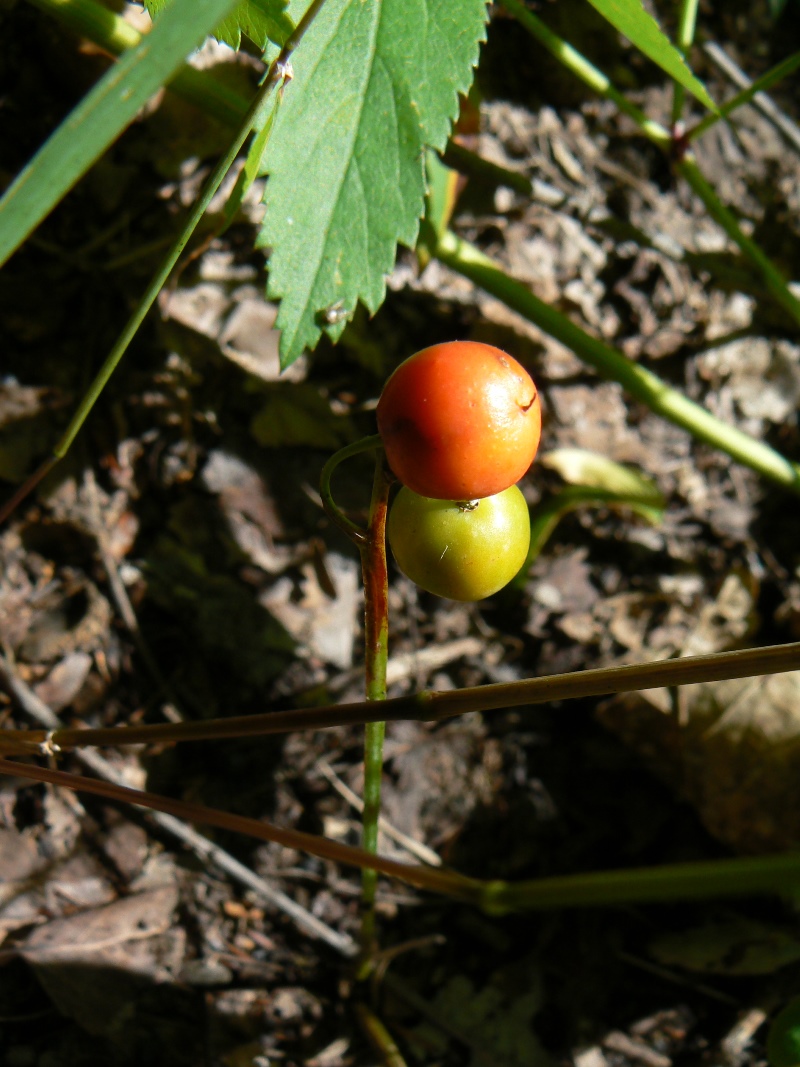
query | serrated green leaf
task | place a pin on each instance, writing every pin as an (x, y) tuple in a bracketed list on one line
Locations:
[(375, 82), (260, 20), (642, 30), (101, 117)]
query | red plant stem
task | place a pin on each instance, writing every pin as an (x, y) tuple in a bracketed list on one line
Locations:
[(376, 585), (376, 636)]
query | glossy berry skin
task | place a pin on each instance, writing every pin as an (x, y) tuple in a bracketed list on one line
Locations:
[(459, 421), (462, 551)]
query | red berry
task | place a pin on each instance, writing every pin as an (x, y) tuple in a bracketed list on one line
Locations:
[(459, 421)]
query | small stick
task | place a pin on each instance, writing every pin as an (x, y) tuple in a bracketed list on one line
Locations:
[(416, 848)]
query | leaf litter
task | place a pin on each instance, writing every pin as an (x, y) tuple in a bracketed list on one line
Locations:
[(210, 517)]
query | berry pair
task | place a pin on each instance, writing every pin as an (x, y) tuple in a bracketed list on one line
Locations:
[(460, 423)]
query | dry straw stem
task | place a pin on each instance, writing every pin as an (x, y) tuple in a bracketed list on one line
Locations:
[(437, 880), (431, 706), (729, 877), (207, 850)]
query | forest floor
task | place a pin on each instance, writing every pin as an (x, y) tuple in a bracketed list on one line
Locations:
[(178, 565)]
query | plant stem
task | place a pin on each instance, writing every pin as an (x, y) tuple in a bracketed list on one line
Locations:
[(773, 278), (379, 1037), (355, 532), (586, 71), (760, 85), (765, 104), (678, 881), (727, 877), (255, 111), (611, 363), (469, 163), (431, 706), (435, 879), (376, 639), (115, 34), (596, 80), (683, 42)]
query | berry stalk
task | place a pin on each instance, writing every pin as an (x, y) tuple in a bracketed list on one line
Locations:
[(376, 635)]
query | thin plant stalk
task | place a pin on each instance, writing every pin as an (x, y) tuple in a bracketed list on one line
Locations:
[(745, 876), (687, 20), (774, 280), (787, 128), (435, 879), (586, 71), (425, 706), (597, 81), (641, 383), (261, 102), (356, 533), (379, 1037), (376, 639), (760, 85)]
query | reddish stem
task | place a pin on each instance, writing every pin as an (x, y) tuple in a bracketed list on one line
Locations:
[(376, 636)]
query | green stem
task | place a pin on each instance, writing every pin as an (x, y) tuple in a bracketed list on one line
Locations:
[(429, 706), (587, 72), (638, 381), (115, 35), (546, 516), (376, 638), (254, 114), (474, 166), (596, 80), (679, 881), (683, 42), (773, 278), (379, 1037), (159, 279), (760, 85), (353, 530)]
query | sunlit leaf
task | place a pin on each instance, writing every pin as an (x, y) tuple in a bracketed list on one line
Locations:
[(641, 29), (375, 82), (594, 481), (578, 466), (260, 20)]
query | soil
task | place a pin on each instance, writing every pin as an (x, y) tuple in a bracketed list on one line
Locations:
[(178, 564)]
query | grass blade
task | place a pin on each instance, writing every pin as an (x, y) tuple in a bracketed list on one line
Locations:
[(100, 118)]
